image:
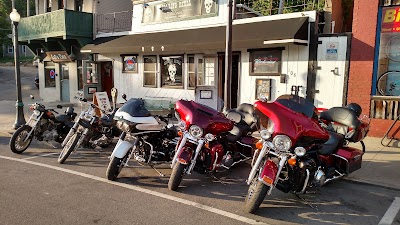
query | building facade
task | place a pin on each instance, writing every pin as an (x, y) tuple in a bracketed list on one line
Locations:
[(375, 52)]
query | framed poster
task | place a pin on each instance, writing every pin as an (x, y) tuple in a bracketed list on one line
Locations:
[(205, 94), (171, 71), (263, 88), (265, 62), (129, 63), (92, 90)]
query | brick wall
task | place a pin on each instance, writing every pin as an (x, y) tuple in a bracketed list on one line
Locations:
[(362, 53)]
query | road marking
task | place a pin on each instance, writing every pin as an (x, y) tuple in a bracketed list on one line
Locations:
[(391, 213), (136, 188), (41, 155)]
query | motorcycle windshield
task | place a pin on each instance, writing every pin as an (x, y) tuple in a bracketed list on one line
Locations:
[(135, 108), (298, 104)]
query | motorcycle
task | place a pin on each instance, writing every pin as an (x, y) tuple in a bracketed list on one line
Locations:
[(211, 141), (148, 139), (42, 125), (296, 153), (89, 130)]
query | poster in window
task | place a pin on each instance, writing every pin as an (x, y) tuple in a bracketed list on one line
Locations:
[(263, 88), (171, 71), (129, 63), (266, 62)]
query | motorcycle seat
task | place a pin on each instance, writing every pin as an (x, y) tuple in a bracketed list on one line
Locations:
[(61, 118), (341, 115), (334, 141), (238, 131)]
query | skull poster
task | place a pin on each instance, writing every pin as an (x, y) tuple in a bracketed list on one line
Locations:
[(171, 71)]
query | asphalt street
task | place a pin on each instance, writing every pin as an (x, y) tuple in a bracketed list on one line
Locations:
[(35, 189)]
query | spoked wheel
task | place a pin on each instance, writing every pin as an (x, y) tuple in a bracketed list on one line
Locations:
[(115, 166), (388, 84), (18, 144), (176, 176), (68, 148), (255, 195)]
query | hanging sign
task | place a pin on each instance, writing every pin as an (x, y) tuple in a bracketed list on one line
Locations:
[(59, 56)]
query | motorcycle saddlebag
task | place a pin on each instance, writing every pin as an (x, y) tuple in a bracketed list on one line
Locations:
[(349, 159)]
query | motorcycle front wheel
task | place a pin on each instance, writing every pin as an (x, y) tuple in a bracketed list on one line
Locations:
[(114, 167), (176, 176), (68, 148), (17, 143), (255, 195)]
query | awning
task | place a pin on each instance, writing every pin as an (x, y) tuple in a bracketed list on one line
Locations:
[(244, 35)]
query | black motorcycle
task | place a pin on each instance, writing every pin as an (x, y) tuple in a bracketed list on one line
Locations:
[(89, 131), (42, 125)]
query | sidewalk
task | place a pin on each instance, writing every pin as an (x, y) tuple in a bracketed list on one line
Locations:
[(380, 166)]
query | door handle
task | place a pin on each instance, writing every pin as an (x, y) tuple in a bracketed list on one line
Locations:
[(335, 71)]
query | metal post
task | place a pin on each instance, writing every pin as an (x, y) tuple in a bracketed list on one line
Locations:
[(20, 119), (228, 59), (281, 6), (27, 8)]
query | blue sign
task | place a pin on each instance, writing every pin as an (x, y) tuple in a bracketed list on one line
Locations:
[(52, 74)]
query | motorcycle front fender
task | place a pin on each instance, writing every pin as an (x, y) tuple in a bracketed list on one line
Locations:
[(185, 156), (121, 148), (268, 174)]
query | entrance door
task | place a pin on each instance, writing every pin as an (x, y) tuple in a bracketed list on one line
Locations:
[(107, 82), (331, 80), (64, 83), (235, 78)]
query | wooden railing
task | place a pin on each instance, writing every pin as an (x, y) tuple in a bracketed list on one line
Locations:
[(385, 107)]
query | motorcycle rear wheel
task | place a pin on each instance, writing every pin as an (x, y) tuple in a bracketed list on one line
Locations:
[(255, 195), (176, 176), (114, 168), (17, 144), (68, 148)]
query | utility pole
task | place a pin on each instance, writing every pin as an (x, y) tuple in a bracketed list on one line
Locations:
[(228, 58)]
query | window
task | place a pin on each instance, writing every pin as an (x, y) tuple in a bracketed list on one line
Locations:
[(23, 48), (10, 49), (129, 63), (91, 75), (389, 53), (191, 72), (390, 2), (150, 71), (206, 71), (49, 75), (265, 62), (171, 71)]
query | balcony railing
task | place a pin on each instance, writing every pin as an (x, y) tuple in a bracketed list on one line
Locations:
[(57, 24), (271, 7), (114, 22), (385, 107)]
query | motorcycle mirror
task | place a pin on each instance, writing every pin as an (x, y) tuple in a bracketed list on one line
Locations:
[(59, 106), (32, 97), (84, 99), (124, 97)]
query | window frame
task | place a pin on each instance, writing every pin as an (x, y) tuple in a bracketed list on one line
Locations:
[(163, 67), (135, 58), (149, 71)]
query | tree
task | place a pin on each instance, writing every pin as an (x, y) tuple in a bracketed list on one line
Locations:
[(5, 27)]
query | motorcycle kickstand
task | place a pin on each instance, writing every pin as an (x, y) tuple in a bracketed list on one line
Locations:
[(161, 175), (50, 144), (307, 202), (216, 178)]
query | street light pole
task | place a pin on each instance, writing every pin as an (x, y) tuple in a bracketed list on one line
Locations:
[(20, 119), (228, 59)]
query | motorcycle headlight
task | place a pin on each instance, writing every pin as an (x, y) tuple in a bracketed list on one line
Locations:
[(282, 143), (265, 134), (209, 137), (300, 151), (196, 131), (123, 126)]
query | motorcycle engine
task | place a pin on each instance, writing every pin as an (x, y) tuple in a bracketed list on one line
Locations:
[(50, 135), (46, 129)]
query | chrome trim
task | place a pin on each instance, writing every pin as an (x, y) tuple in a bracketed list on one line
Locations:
[(305, 182), (281, 164), (179, 149), (151, 150), (215, 161), (257, 164), (244, 144), (347, 162), (193, 161), (33, 127)]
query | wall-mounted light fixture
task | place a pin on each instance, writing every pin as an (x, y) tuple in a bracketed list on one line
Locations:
[(38, 56)]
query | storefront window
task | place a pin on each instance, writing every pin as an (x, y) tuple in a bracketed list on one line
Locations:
[(191, 72), (150, 71), (49, 75), (265, 62), (388, 82), (390, 2), (171, 71)]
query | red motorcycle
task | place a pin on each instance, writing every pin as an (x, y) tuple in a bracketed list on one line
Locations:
[(211, 141), (299, 150)]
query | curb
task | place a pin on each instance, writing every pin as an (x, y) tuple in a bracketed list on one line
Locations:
[(369, 183)]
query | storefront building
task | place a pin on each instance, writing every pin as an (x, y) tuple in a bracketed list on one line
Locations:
[(176, 49), (375, 52)]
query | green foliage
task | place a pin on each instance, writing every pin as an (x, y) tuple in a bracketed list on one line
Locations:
[(270, 7)]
